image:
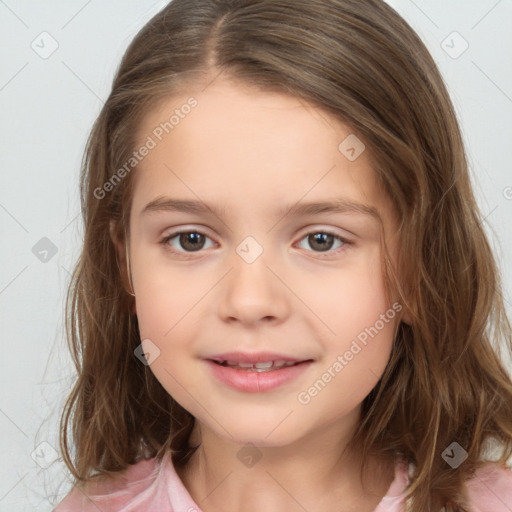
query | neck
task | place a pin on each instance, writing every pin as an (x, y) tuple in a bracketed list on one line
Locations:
[(319, 472)]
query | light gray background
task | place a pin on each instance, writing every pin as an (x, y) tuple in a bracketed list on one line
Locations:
[(48, 106)]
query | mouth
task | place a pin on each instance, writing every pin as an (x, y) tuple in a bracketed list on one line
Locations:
[(260, 367), (256, 373)]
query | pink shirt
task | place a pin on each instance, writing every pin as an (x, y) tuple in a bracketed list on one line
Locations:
[(150, 487)]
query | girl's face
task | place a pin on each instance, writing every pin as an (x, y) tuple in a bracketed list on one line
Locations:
[(257, 272)]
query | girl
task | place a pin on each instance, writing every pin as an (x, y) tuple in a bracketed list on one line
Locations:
[(333, 341)]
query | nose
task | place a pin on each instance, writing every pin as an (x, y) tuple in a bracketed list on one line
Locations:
[(253, 292)]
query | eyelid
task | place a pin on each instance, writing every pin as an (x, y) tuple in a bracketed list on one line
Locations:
[(347, 242), (320, 228), (173, 234), (332, 253), (313, 228)]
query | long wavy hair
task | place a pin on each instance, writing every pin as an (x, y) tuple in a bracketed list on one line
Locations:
[(361, 62)]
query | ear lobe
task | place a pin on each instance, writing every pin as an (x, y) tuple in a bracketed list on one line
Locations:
[(120, 253), (406, 318), (406, 315), (118, 243)]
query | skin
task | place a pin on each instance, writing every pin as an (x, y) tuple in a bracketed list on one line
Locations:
[(255, 152)]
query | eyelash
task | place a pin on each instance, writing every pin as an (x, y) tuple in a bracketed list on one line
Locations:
[(185, 254)]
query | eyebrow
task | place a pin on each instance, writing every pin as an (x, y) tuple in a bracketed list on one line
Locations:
[(341, 205)]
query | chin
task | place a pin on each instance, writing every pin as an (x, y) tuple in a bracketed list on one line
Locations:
[(260, 437)]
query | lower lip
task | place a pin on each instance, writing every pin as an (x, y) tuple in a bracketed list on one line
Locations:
[(256, 382)]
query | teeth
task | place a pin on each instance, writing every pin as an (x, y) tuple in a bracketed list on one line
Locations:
[(264, 365), (259, 367)]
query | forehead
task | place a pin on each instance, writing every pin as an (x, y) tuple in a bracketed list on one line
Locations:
[(240, 143), (245, 119)]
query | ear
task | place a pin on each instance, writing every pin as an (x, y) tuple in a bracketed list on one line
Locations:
[(119, 245), (120, 248), (406, 317), (404, 314)]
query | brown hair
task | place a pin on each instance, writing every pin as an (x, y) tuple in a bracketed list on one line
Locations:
[(361, 62)]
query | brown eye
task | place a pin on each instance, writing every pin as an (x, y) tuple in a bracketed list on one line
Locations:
[(323, 241), (192, 241), (188, 241)]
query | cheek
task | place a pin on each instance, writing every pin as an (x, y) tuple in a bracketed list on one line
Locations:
[(357, 326), (166, 298), (171, 313), (349, 299), (167, 318)]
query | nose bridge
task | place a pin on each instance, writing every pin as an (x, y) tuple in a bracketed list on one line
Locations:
[(252, 291)]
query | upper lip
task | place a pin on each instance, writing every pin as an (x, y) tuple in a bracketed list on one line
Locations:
[(256, 357)]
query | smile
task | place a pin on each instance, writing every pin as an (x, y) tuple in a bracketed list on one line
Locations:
[(258, 377), (266, 366)]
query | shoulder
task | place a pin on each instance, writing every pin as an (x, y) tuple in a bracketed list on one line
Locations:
[(490, 489), (113, 492)]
